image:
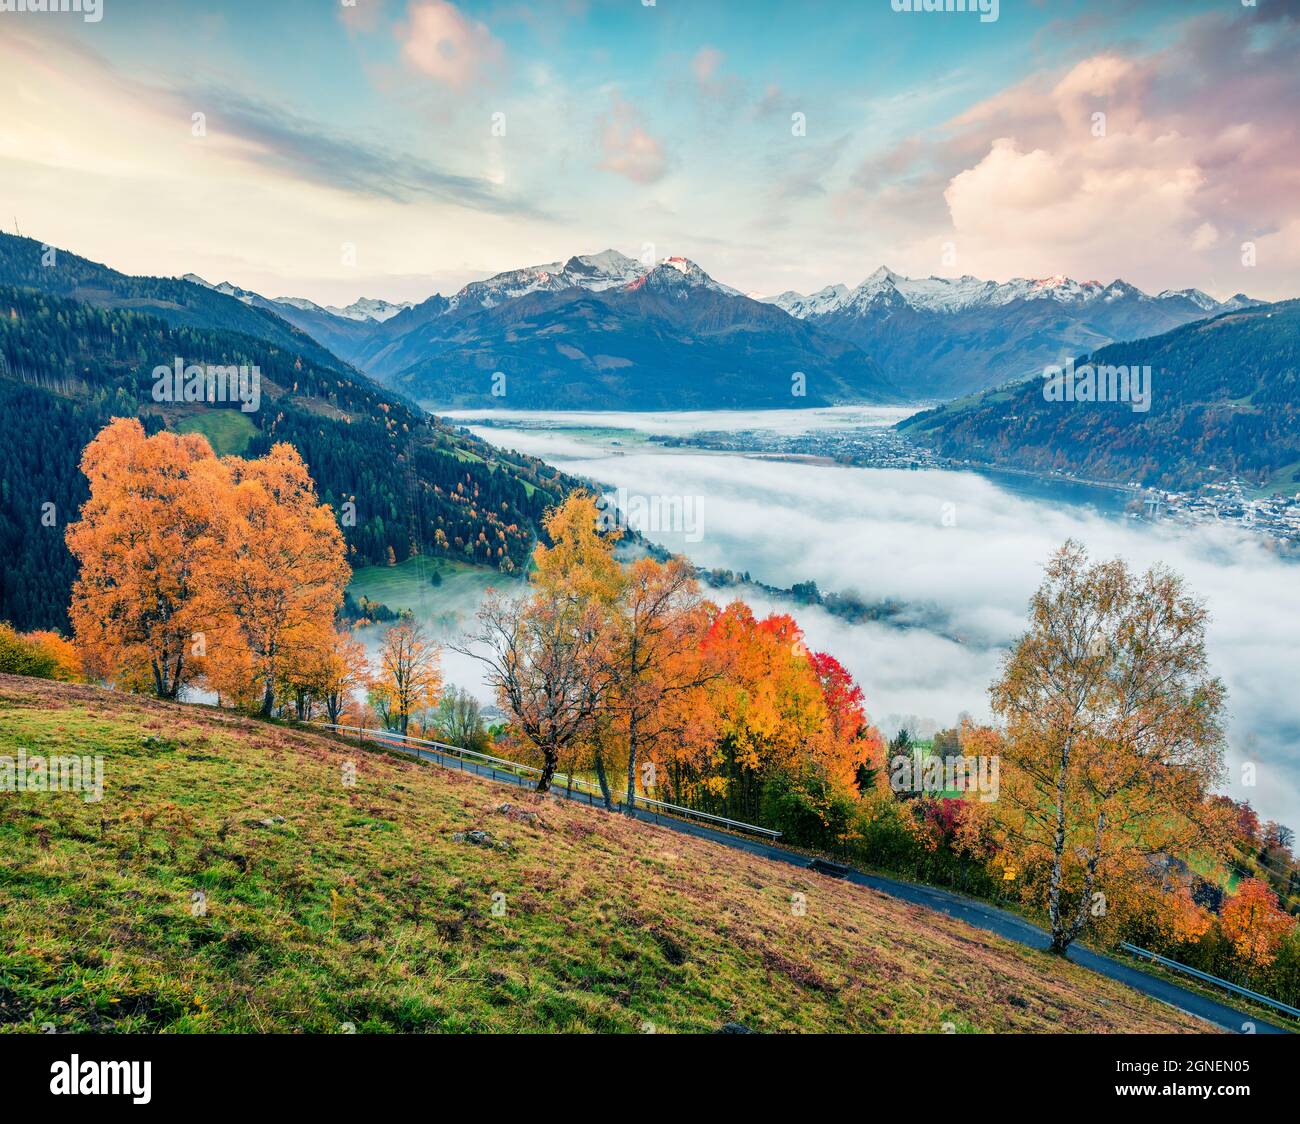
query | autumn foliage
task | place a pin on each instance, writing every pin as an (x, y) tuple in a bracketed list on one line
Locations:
[(196, 568), (627, 670)]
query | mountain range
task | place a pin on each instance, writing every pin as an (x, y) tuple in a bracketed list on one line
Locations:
[(608, 331), (602, 331), (946, 337)]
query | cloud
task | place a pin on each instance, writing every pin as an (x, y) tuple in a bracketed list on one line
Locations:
[(276, 138), (628, 149), (705, 65), (441, 43), (1189, 148)]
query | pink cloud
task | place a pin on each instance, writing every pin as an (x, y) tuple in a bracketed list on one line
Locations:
[(441, 43), (1155, 167), (629, 150), (705, 65)]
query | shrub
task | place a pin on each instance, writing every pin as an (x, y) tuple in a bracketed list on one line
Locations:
[(808, 810), (42, 655)]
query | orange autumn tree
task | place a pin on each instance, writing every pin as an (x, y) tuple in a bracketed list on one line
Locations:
[(1254, 923), (658, 624), (342, 669), (193, 566), (148, 539), (773, 710), (324, 671), (281, 578)]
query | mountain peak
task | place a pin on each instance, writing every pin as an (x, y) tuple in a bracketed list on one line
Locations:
[(678, 274)]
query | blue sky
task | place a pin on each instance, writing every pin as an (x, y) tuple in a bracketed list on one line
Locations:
[(933, 142)]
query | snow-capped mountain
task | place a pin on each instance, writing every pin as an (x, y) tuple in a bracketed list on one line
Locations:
[(226, 288), (948, 336), (606, 324), (607, 331), (955, 294), (365, 308), (596, 273)]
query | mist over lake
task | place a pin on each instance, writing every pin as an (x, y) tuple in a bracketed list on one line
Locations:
[(964, 551)]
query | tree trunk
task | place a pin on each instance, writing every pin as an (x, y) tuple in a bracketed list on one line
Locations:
[(268, 698), (630, 808), (1060, 941), (604, 784), (551, 759)]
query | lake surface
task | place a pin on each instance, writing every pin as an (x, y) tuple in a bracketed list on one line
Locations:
[(964, 550)]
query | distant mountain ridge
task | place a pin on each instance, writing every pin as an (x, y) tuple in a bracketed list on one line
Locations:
[(603, 331), (1224, 403), (911, 339), (364, 308), (947, 337), (956, 294)]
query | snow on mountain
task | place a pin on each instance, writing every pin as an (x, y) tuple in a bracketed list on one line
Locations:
[(245, 295), (1198, 298), (595, 272), (364, 308), (885, 289), (824, 300)]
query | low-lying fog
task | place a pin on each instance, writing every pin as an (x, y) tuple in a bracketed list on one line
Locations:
[(955, 542)]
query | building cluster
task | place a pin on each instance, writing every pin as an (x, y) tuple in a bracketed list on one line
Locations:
[(1277, 515), (882, 447)]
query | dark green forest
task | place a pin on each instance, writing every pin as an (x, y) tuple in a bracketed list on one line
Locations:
[(417, 484)]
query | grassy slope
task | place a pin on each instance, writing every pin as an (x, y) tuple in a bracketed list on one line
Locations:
[(227, 431), (361, 908), (409, 584)]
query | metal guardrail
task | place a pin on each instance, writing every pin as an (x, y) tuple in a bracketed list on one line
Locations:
[(738, 825), (1188, 970), (408, 743)]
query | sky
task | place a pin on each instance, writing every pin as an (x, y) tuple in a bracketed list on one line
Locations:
[(394, 148)]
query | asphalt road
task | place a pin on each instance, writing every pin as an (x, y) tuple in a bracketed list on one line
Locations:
[(977, 913)]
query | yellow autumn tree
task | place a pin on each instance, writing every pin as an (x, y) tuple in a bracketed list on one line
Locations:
[(408, 680), (1112, 736)]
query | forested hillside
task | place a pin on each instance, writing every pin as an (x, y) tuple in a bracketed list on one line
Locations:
[(1225, 402), (67, 367), (29, 264)]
